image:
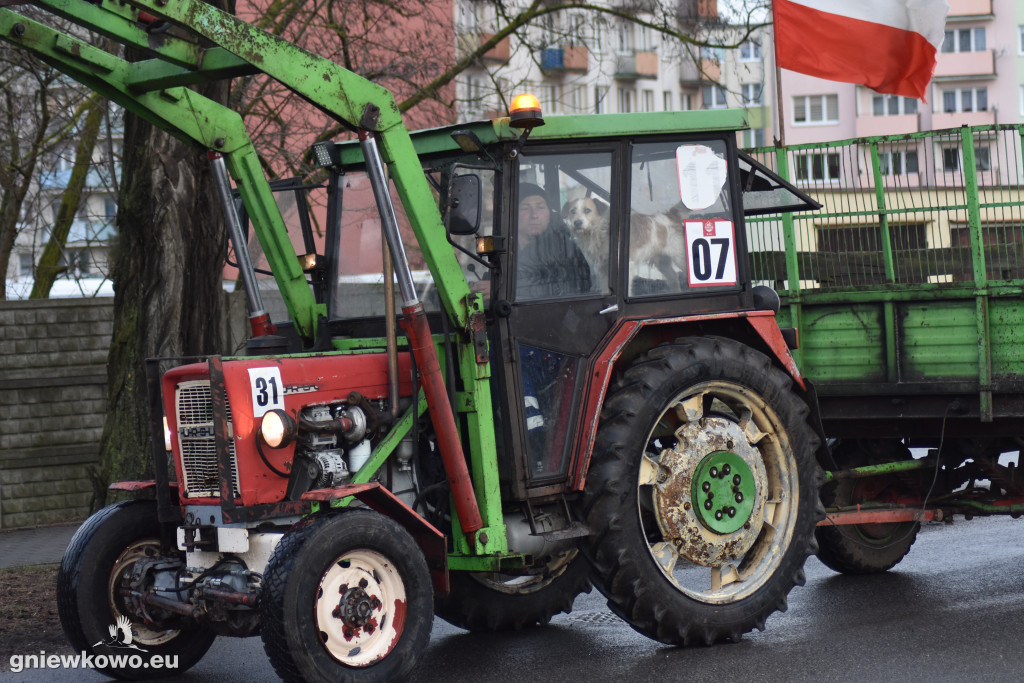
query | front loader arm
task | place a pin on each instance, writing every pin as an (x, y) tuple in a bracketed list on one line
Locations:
[(188, 116)]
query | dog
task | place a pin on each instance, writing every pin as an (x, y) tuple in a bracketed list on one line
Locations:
[(657, 243), (587, 219)]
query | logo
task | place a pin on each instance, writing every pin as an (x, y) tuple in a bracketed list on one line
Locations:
[(709, 228), (120, 635)]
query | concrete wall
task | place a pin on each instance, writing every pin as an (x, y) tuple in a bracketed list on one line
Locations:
[(52, 406)]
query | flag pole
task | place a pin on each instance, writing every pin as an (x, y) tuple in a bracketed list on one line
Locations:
[(781, 139)]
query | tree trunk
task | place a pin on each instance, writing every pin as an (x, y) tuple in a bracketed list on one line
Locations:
[(49, 262), (166, 269)]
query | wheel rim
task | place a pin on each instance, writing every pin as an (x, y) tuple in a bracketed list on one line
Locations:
[(711, 557), (141, 633), (360, 608), (522, 584)]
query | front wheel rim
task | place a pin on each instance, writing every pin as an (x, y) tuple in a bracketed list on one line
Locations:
[(723, 560), (360, 608), (141, 633)]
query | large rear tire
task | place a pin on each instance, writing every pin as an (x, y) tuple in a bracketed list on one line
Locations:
[(702, 492), (89, 603), (864, 548), (491, 601), (346, 598)]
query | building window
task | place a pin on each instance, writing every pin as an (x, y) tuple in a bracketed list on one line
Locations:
[(648, 100), (951, 159), (982, 161), (666, 100), (109, 209), (624, 36), (750, 51), (815, 109), (686, 101), (714, 53), (76, 261), (898, 163), (892, 105), (751, 93), (753, 137), (25, 265), (1020, 40), (713, 96), (600, 99), (578, 99), (817, 167), (964, 40), (644, 43), (625, 101), (964, 99), (549, 98)]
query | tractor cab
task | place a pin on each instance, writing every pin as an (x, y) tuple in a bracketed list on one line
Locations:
[(583, 240)]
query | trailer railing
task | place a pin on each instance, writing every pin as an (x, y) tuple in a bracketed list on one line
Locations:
[(928, 211)]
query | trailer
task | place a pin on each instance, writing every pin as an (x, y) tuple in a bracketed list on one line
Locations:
[(906, 293)]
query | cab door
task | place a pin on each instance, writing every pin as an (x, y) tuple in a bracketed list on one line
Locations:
[(561, 303)]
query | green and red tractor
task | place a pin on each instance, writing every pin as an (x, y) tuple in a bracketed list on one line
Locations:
[(640, 426)]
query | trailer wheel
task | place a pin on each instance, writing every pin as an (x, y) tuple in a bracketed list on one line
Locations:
[(864, 548), (491, 601), (89, 603), (702, 492), (346, 598)]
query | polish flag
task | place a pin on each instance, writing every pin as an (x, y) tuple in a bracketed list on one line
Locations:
[(887, 45)]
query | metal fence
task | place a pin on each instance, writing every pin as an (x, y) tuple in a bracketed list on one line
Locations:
[(930, 210)]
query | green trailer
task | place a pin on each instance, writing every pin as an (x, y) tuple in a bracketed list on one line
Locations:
[(906, 292)]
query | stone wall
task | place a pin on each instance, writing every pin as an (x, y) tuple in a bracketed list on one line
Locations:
[(53, 380)]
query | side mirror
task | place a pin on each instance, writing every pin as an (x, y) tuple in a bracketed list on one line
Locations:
[(464, 205)]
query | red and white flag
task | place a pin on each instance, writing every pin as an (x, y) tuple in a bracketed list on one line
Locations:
[(887, 45)]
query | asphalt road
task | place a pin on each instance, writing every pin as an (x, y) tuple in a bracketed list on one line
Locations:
[(953, 610)]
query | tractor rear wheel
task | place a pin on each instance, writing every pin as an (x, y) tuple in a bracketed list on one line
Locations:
[(702, 492)]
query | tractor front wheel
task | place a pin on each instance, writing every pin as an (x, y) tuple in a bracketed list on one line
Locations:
[(346, 598), (702, 492), (92, 608)]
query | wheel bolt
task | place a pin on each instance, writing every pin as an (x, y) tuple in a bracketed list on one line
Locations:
[(732, 512), (708, 504), (737, 479), (713, 472), (726, 470), (711, 496), (739, 497), (718, 515), (706, 486)]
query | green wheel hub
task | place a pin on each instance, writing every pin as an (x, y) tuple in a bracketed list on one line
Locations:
[(723, 492)]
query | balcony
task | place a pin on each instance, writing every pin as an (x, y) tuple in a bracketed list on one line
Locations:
[(964, 64), (942, 120), (963, 9), (887, 125), (710, 70), (567, 58), (636, 65), (467, 43)]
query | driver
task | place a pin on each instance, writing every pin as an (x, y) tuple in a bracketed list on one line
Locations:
[(549, 264)]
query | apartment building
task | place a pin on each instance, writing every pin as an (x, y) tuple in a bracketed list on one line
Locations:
[(580, 61)]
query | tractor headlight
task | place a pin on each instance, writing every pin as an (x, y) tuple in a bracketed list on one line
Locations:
[(167, 435), (277, 429)]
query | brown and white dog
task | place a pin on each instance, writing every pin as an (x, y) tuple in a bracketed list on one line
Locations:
[(656, 241)]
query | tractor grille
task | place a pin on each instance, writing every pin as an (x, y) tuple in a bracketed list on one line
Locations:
[(194, 408)]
